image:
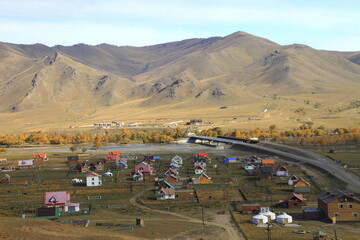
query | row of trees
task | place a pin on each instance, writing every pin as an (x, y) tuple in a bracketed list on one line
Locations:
[(98, 138), (304, 135)]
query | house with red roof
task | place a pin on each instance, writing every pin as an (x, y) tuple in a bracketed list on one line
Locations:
[(112, 157), (165, 193), (144, 169), (281, 171), (40, 157), (293, 200)]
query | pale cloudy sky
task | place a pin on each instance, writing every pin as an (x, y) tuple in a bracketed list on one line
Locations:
[(322, 24)]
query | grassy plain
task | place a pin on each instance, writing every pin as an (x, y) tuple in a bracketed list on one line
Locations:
[(115, 208)]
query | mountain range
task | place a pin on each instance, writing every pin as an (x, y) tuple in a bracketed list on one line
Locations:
[(236, 70)]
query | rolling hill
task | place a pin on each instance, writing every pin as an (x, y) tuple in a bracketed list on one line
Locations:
[(194, 76)]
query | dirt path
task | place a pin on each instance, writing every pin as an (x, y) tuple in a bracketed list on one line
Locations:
[(219, 221)]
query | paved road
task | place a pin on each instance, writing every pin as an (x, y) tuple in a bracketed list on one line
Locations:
[(352, 181), (232, 233)]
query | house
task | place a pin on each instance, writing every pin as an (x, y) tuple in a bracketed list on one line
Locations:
[(165, 193), (339, 205), (73, 159), (40, 157), (93, 179), (9, 167), (281, 171), (252, 159), (164, 184), (265, 172), (138, 176), (144, 169), (171, 171), (112, 156), (231, 160), (174, 165), (293, 200), (82, 167), (292, 179), (313, 213), (53, 199), (174, 180), (177, 160), (267, 162), (121, 165), (23, 164), (97, 166), (60, 200), (301, 186), (202, 157), (202, 179), (5, 179), (3, 160), (151, 159), (199, 168)]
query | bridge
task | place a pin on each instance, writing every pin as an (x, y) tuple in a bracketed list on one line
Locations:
[(288, 153), (221, 139)]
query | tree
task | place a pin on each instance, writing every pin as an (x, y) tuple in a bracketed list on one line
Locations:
[(272, 127), (73, 148), (84, 149), (97, 142)]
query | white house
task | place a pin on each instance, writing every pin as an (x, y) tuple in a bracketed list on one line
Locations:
[(177, 160), (93, 179), (165, 193)]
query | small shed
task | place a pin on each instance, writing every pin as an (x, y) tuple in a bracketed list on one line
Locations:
[(249, 166), (259, 219), (231, 160), (293, 200), (73, 159), (319, 235), (284, 218), (5, 179), (313, 213), (248, 208)]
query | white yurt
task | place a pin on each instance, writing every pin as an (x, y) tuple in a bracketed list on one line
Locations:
[(258, 219), (284, 218), (108, 174), (270, 215)]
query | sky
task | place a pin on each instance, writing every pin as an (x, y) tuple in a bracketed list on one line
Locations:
[(321, 24)]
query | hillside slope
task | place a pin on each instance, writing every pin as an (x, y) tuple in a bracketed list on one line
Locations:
[(237, 70)]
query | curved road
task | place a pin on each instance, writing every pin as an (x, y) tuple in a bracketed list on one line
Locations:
[(233, 234), (352, 181)]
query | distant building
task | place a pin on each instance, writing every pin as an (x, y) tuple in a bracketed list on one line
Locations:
[(23, 164), (40, 157)]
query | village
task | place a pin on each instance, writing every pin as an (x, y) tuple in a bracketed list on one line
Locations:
[(264, 195)]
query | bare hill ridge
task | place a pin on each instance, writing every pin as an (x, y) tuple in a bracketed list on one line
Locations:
[(234, 70)]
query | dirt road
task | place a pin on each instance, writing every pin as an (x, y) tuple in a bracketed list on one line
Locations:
[(232, 233)]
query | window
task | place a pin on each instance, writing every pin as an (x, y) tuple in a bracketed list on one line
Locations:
[(337, 215), (92, 179), (354, 215), (93, 183), (341, 205), (350, 205)]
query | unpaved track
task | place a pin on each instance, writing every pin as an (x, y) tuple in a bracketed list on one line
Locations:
[(233, 234)]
